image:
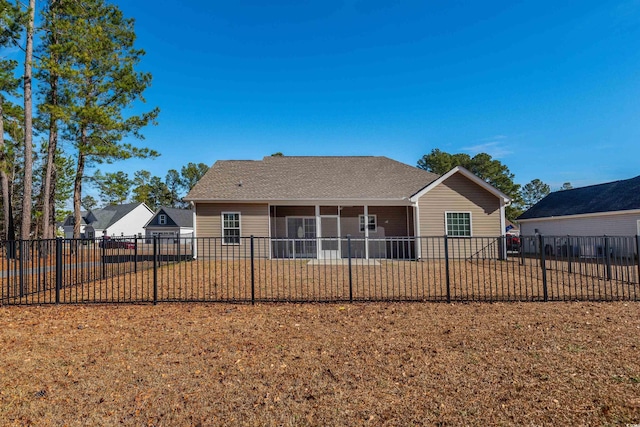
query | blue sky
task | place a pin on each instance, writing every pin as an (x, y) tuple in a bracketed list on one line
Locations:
[(552, 89)]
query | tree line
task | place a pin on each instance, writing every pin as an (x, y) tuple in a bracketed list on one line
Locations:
[(117, 187), (493, 172), (82, 60)]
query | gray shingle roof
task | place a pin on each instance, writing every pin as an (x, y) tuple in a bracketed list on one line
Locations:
[(311, 178), (609, 197), (182, 217), (104, 217)]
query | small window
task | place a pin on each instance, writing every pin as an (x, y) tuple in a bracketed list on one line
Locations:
[(368, 221), (162, 220), (458, 224), (231, 228)]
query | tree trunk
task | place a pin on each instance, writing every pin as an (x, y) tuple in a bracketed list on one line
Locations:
[(25, 228), (77, 185), (4, 180), (49, 199)]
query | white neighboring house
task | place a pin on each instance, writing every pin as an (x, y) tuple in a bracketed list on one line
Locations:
[(170, 222), (113, 221), (609, 209)]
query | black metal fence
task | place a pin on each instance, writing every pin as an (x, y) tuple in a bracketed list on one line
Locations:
[(141, 270)]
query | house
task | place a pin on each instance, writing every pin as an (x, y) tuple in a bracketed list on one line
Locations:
[(113, 220), (305, 207), (170, 222), (610, 209)]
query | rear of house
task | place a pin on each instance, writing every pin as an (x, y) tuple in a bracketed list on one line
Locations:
[(333, 207)]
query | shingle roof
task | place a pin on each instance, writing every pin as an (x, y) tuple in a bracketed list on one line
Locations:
[(609, 197), (182, 217), (311, 178)]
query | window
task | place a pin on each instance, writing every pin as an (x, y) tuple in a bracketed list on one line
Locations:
[(368, 221), (458, 224), (162, 220), (231, 228)]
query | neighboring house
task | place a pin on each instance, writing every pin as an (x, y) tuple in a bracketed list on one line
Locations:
[(611, 209), (113, 220), (303, 205), (170, 222)]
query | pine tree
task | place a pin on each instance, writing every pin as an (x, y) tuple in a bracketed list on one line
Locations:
[(103, 85), (10, 24), (25, 226)]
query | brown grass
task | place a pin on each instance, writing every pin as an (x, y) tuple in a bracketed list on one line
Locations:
[(316, 364)]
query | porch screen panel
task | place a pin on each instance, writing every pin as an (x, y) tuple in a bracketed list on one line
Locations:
[(329, 228), (302, 234)]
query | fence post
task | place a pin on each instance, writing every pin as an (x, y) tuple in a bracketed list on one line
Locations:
[(58, 268), (607, 255), (543, 266), (638, 255), (21, 262), (446, 267), (253, 273), (155, 270), (350, 275), (569, 254), (104, 256), (135, 254)]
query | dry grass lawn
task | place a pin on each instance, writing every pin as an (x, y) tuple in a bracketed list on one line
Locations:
[(321, 364)]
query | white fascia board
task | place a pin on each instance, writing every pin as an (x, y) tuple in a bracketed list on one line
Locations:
[(587, 215), (313, 202), (471, 176)]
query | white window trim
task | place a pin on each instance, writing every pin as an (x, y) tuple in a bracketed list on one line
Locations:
[(375, 220), (162, 219), (446, 223), (222, 214)]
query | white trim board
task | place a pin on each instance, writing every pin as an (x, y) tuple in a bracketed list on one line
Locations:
[(587, 215)]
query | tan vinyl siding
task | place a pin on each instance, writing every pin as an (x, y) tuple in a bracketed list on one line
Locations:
[(254, 220), (459, 194)]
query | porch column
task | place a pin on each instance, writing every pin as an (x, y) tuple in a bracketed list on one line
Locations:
[(366, 232), (318, 232)]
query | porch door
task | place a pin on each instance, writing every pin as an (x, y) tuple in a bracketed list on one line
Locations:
[(301, 233), (330, 237)]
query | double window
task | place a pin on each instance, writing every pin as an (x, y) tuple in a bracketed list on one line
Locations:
[(458, 224), (162, 220), (368, 222), (231, 228)]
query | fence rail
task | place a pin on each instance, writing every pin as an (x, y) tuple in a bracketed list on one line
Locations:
[(253, 269)]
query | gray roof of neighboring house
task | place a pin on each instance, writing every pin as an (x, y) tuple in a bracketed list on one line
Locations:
[(311, 178), (609, 197), (182, 217), (105, 217)]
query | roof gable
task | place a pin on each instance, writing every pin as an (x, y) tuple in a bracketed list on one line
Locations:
[(608, 197), (175, 217), (311, 178), (469, 175), (109, 215)]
